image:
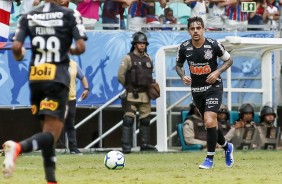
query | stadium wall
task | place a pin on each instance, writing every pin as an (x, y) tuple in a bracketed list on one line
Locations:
[(19, 124)]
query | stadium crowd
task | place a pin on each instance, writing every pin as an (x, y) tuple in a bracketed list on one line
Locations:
[(227, 15)]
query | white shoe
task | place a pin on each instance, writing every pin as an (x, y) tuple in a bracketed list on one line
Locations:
[(11, 150)]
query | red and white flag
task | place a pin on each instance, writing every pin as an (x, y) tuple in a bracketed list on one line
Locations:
[(5, 11)]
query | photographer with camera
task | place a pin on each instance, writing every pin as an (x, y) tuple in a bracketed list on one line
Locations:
[(135, 74)]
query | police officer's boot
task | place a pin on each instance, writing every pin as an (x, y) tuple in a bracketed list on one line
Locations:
[(145, 135), (126, 138)]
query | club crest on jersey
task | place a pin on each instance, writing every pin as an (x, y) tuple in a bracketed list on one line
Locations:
[(208, 54)]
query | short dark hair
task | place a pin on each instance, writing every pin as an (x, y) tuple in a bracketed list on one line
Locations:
[(166, 10), (195, 19)]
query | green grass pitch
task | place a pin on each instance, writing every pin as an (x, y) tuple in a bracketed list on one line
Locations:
[(251, 167)]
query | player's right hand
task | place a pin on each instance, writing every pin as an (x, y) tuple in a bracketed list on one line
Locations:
[(186, 80)]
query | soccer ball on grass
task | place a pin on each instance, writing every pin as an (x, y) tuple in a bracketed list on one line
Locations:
[(114, 160)]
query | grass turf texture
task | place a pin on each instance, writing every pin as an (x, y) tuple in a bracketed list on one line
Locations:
[(251, 167)]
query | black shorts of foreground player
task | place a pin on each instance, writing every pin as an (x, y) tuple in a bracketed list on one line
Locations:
[(201, 53), (51, 29)]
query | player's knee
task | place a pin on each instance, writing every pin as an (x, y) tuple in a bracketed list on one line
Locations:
[(210, 123)]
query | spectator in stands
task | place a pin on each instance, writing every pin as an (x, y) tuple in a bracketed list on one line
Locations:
[(273, 14), (267, 119), (168, 18), (89, 10), (113, 11), (68, 4), (194, 128), (137, 13), (28, 5), (151, 15), (223, 119), (259, 17), (236, 19), (198, 9), (246, 115), (16, 14), (216, 15)]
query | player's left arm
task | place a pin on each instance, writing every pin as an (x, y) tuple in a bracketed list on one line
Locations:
[(224, 56), (78, 32), (227, 62)]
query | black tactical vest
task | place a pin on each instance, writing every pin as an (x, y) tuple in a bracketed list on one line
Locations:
[(140, 74), (199, 128), (225, 126)]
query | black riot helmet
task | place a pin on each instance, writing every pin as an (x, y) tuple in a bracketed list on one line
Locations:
[(139, 37), (224, 109), (265, 110), (246, 108)]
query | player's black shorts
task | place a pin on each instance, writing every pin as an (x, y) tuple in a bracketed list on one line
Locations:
[(209, 100), (48, 98)]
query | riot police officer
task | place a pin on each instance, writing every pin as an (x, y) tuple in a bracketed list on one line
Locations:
[(194, 128), (267, 116), (266, 129), (246, 116), (135, 74), (223, 119)]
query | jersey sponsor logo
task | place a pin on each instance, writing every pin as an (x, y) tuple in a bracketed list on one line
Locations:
[(33, 109), (208, 54), (46, 23), (200, 89), (207, 46), (49, 105), (189, 55), (42, 72), (200, 70), (189, 48), (211, 102), (46, 16)]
